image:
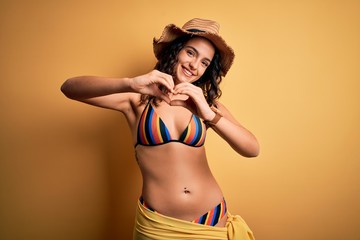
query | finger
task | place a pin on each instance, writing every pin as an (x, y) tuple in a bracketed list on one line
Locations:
[(170, 80), (165, 84), (165, 80), (185, 90), (163, 96), (185, 87)]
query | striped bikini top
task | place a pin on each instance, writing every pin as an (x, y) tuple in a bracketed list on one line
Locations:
[(152, 131)]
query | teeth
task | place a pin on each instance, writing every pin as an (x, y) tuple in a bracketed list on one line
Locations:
[(188, 73)]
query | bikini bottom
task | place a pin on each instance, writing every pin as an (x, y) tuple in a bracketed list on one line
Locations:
[(150, 225), (210, 218)]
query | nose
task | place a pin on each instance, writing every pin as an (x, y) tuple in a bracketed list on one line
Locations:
[(194, 64)]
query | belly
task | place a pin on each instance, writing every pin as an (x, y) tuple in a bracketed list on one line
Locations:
[(177, 180)]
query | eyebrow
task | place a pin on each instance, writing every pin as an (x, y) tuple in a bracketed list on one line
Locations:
[(197, 52)]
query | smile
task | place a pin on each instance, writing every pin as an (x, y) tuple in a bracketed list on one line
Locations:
[(187, 72)]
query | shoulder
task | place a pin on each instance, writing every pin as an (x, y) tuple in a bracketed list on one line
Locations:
[(133, 102)]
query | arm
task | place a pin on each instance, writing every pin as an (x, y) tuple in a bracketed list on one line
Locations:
[(114, 93), (83, 87), (238, 137), (111, 93)]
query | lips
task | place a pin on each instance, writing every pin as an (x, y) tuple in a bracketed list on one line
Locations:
[(187, 72)]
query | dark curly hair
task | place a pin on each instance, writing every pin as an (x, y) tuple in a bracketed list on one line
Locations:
[(209, 81)]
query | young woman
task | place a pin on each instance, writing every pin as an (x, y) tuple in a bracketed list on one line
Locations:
[(168, 111)]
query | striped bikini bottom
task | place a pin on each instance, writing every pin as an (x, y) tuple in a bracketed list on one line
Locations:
[(210, 218)]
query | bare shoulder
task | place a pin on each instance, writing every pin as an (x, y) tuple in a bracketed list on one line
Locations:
[(135, 105)]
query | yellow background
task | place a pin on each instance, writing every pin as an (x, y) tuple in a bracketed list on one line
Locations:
[(67, 170)]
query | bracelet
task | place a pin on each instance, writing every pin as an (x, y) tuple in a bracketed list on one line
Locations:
[(215, 120)]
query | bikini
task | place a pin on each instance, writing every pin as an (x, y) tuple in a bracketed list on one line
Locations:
[(152, 131), (210, 218)]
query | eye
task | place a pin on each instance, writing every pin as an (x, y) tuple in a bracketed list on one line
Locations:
[(205, 63), (190, 53)]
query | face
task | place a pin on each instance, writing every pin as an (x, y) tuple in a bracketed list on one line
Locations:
[(193, 60)]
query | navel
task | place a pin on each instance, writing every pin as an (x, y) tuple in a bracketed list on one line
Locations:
[(186, 191)]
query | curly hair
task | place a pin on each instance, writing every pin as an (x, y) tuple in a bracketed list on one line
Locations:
[(208, 82)]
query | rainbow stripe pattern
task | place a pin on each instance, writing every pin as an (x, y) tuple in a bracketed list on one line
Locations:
[(212, 217), (152, 130)]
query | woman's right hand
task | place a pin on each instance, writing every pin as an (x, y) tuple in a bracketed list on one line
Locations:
[(154, 83)]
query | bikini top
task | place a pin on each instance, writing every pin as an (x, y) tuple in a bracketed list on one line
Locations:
[(152, 131)]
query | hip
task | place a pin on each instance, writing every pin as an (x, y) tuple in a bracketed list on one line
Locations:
[(183, 201)]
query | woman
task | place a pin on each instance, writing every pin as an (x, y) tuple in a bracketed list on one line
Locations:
[(169, 111)]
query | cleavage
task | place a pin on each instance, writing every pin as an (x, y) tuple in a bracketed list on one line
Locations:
[(177, 122)]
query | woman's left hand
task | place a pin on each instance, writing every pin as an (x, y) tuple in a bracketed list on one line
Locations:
[(194, 100), (238, 137)]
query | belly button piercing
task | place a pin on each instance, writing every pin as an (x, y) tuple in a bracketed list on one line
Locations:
[(186, 191)]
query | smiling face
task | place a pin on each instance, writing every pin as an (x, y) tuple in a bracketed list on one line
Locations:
[(193, 60)]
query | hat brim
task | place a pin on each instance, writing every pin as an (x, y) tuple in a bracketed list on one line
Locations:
[(171, 32)]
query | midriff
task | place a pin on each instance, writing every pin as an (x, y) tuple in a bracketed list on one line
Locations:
[(177, 180)]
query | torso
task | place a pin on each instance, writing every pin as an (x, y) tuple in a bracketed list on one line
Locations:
[(177, 180)]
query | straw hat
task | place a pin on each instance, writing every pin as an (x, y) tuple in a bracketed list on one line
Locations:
[(197, 27)]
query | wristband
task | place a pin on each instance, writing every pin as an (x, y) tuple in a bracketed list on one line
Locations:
[(215, 120)]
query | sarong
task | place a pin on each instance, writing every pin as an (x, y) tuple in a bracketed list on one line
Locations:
[(154, 226)]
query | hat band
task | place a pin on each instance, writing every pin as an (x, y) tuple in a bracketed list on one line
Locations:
[(194, 30)]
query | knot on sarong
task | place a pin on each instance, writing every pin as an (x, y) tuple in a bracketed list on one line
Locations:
[(237, 229)]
